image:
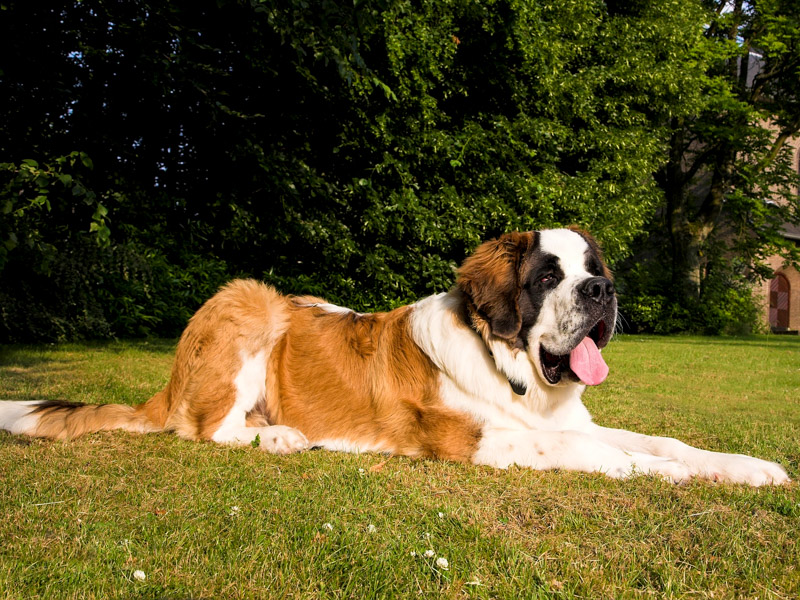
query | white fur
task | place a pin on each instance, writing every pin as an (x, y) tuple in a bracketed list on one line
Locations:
[(716, 466), (570, 450), (343, 445), (568, 246), (251, 387), (15, 416), (277, 439), (331, 308), (471, 382), (512, 362), (456, 350)]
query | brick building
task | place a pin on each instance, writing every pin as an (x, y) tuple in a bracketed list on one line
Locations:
[(781, 294)]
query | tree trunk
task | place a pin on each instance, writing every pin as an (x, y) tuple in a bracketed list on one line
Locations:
[(692, 222)]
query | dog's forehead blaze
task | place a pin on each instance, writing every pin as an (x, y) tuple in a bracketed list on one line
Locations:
[(595, 253), (569, 247)]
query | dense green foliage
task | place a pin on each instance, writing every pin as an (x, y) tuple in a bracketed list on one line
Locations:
[(356, 151), (732, 178)]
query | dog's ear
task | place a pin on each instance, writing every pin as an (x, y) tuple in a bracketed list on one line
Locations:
[(491, 280)]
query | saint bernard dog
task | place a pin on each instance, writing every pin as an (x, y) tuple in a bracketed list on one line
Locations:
[(489, 373)]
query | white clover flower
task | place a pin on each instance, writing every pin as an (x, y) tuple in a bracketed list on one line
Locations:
[(234, 511), (362, 471), (441, 515), (429, 554), (139, 575), (371, 528), (442, 563), (327, 526), (413, 554)]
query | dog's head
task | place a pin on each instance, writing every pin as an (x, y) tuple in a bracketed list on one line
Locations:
[(544, 297)]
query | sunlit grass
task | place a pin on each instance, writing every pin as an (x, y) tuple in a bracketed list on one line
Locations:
[(80, 517)]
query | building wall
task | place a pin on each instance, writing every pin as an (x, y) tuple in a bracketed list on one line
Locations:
[(790, 273), (793, 276)]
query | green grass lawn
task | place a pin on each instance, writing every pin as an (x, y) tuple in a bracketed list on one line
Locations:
[(205, 521)]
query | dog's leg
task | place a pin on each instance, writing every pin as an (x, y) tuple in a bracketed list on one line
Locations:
[(570, 450), (230, 426), (716, 466)]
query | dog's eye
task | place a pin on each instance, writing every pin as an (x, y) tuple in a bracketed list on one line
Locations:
[(547, 278)]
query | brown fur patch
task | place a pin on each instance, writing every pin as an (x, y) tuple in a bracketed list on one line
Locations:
[(332, 375), (64, 420), (490, 279), (244, 317), (341, 376), (361, 378)]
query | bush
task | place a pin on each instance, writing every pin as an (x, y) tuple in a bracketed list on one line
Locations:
[(726, 305), (92, 292), (353, 150)]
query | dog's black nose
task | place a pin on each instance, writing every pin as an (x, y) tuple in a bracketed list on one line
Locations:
[(599, 289)]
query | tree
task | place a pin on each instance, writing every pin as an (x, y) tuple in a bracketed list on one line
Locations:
[(730, 183), (352, 150)]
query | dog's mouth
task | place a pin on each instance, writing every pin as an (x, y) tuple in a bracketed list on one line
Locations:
[(584, 363)]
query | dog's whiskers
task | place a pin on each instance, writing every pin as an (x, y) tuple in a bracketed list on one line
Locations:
[(621, 323)]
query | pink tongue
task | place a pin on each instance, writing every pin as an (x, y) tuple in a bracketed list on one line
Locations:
[(586, 362)]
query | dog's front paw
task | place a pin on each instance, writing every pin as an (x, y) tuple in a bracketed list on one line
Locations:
[(736, 468), (280, 439)]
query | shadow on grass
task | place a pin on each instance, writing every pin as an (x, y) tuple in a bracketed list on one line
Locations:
[(19, 375), (32, 371), (29, 355)]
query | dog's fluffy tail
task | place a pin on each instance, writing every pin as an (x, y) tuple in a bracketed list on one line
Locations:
[(63, 420)]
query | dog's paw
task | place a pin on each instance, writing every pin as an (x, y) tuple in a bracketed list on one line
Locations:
[(279, 439), (736, 468)]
